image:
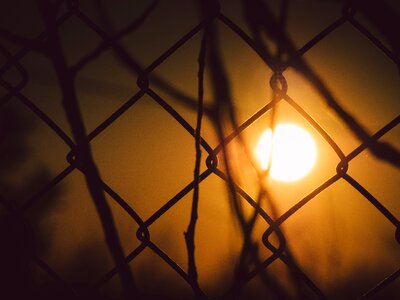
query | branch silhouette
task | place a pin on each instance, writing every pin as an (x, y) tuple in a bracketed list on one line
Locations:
[(83, 155), (259, 16), (190, 232)]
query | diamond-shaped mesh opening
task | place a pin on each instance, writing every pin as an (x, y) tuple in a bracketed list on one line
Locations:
[(175, 81), (143, 151), (283, 194), (76, 234), (305, 94), (381, 187), (357, 89), (342, 231), (217, 241), (155, 277), (95, 85), (175, 75), (148, 42)]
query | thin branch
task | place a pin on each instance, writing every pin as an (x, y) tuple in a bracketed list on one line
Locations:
[(190, 232), (259, 13), (84, 158), (223, 107), (111, 39)]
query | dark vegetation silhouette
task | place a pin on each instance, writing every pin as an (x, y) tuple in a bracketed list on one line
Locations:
[(24, 239), (24, 236)]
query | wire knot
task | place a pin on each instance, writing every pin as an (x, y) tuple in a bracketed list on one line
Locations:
[(278, 84), (73, 159), (143, 234), (282, 241), (212, 162), (143, 82), (342, 167)]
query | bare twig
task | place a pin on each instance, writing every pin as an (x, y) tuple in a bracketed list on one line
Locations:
[(111, 39), (259, 15), (223, 107), (190, 232), (83, 153)]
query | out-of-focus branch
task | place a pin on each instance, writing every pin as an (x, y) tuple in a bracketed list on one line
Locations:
[(258, 14), (111, 39), (385, 19), (83, 153), (223, 111)]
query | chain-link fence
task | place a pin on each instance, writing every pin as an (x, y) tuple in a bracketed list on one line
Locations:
[(261, 20)]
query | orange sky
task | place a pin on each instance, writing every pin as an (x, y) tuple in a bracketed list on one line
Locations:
[(147, 157)]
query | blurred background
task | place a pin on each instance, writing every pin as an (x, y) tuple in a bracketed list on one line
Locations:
[(339, 239)]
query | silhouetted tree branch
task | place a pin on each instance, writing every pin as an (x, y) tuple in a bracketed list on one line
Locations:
[(190, 232), (83, 155), (259, 16)]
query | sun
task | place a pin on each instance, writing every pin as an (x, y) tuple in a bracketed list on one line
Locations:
[(294, 152)]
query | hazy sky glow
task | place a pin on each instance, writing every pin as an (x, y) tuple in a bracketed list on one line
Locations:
[(339, 239)]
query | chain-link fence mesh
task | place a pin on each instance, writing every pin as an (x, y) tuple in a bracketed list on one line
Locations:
[(218, 160)]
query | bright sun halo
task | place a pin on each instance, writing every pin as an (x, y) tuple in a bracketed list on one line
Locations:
[(293, 152)]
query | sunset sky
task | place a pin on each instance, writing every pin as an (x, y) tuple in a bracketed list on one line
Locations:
[(147, 157)]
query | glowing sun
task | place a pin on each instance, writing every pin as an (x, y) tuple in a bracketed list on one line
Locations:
[(293, 152)]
